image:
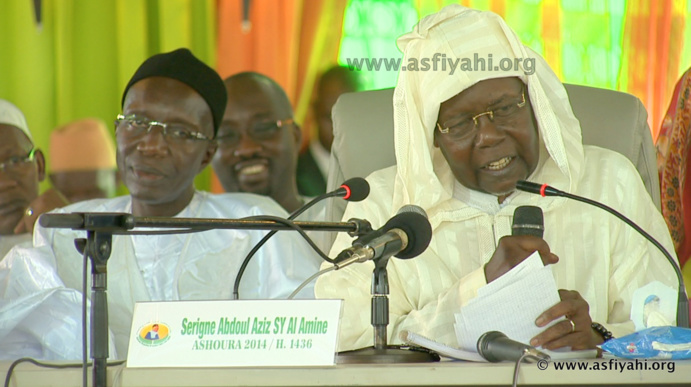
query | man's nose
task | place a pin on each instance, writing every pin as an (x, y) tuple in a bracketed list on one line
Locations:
[(487, 132), (153, 140), (247, 146)]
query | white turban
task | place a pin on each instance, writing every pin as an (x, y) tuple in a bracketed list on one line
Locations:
[(459, 35)]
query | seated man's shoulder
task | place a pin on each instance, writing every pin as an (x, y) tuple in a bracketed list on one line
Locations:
[(610, 175), (119, 203), (605, 163), (595, 154), (382, 179), (238, 204)]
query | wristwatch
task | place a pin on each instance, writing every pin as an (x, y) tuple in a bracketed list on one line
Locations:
[(606, 334)]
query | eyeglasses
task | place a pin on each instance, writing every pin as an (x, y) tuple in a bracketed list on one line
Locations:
[(464, 125), (260, 131), (134, 126), (15, 162)]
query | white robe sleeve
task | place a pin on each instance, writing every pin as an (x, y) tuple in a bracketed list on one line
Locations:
[(39, 316)]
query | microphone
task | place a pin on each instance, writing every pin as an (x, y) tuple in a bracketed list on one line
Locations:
[(92, 221), (354, 190), (683, 300), (74, 221), (494, 346), (404, 236), (528, 220)]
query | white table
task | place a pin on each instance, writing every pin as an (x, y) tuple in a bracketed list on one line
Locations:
[(431, 374)]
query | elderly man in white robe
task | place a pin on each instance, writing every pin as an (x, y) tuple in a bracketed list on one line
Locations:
[(171, 111), (462, 142)]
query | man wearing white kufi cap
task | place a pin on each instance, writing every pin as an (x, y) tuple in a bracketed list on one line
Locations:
[(462, 141), (22, 168)]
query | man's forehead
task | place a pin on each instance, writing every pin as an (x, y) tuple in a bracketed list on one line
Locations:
[(486, 92), (13, 137), (257, 100), (160, 98)]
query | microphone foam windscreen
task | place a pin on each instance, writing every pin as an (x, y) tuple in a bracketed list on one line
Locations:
[(417, 228), (412, 208), (528, 220), (359, 189)]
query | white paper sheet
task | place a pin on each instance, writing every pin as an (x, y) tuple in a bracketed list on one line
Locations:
[(510, 304)]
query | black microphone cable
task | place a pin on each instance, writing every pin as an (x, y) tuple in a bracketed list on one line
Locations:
[(355, 189), (683, 300)]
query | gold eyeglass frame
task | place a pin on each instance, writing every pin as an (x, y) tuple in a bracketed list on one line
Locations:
[(489, 113)]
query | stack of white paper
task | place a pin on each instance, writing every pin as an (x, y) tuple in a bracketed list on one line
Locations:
[(510, 304)]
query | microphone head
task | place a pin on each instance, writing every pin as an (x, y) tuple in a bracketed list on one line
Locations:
[(485, 341), (417, 228), (528, 220), (528, 186), (412, 208), (540, 189), (356, 189)]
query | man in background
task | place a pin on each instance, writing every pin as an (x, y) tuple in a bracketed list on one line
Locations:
[(313, 165), (22, 168), (258, 141), (82, 160)]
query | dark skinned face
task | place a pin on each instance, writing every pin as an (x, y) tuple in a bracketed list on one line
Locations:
[(18, 183), (262, 158), (158, 172), (497, 152)]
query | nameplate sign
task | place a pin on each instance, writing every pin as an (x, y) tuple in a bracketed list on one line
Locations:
[(234, 333)]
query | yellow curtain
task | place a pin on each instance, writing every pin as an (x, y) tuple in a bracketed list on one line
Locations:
[(636, 46), (653, 40), (291, 41), (78, 61)]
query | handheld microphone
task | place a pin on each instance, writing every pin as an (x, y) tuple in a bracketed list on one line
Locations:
[(494, 346), (528, 220), (683, 300), (404, 236), (354, 190)]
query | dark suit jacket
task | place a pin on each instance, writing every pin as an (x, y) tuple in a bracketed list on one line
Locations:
[(309, 178)]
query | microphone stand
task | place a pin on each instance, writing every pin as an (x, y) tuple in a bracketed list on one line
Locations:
[(381, 352), (97, 246), (100, 228)]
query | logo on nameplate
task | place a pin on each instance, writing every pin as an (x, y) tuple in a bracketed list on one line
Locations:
[(153, 334)]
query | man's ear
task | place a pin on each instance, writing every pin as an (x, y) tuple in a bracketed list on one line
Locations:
[(40, 164), (208, 155)]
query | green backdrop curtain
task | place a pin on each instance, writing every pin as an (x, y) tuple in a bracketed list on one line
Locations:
[(78, 61), (637, 46)]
